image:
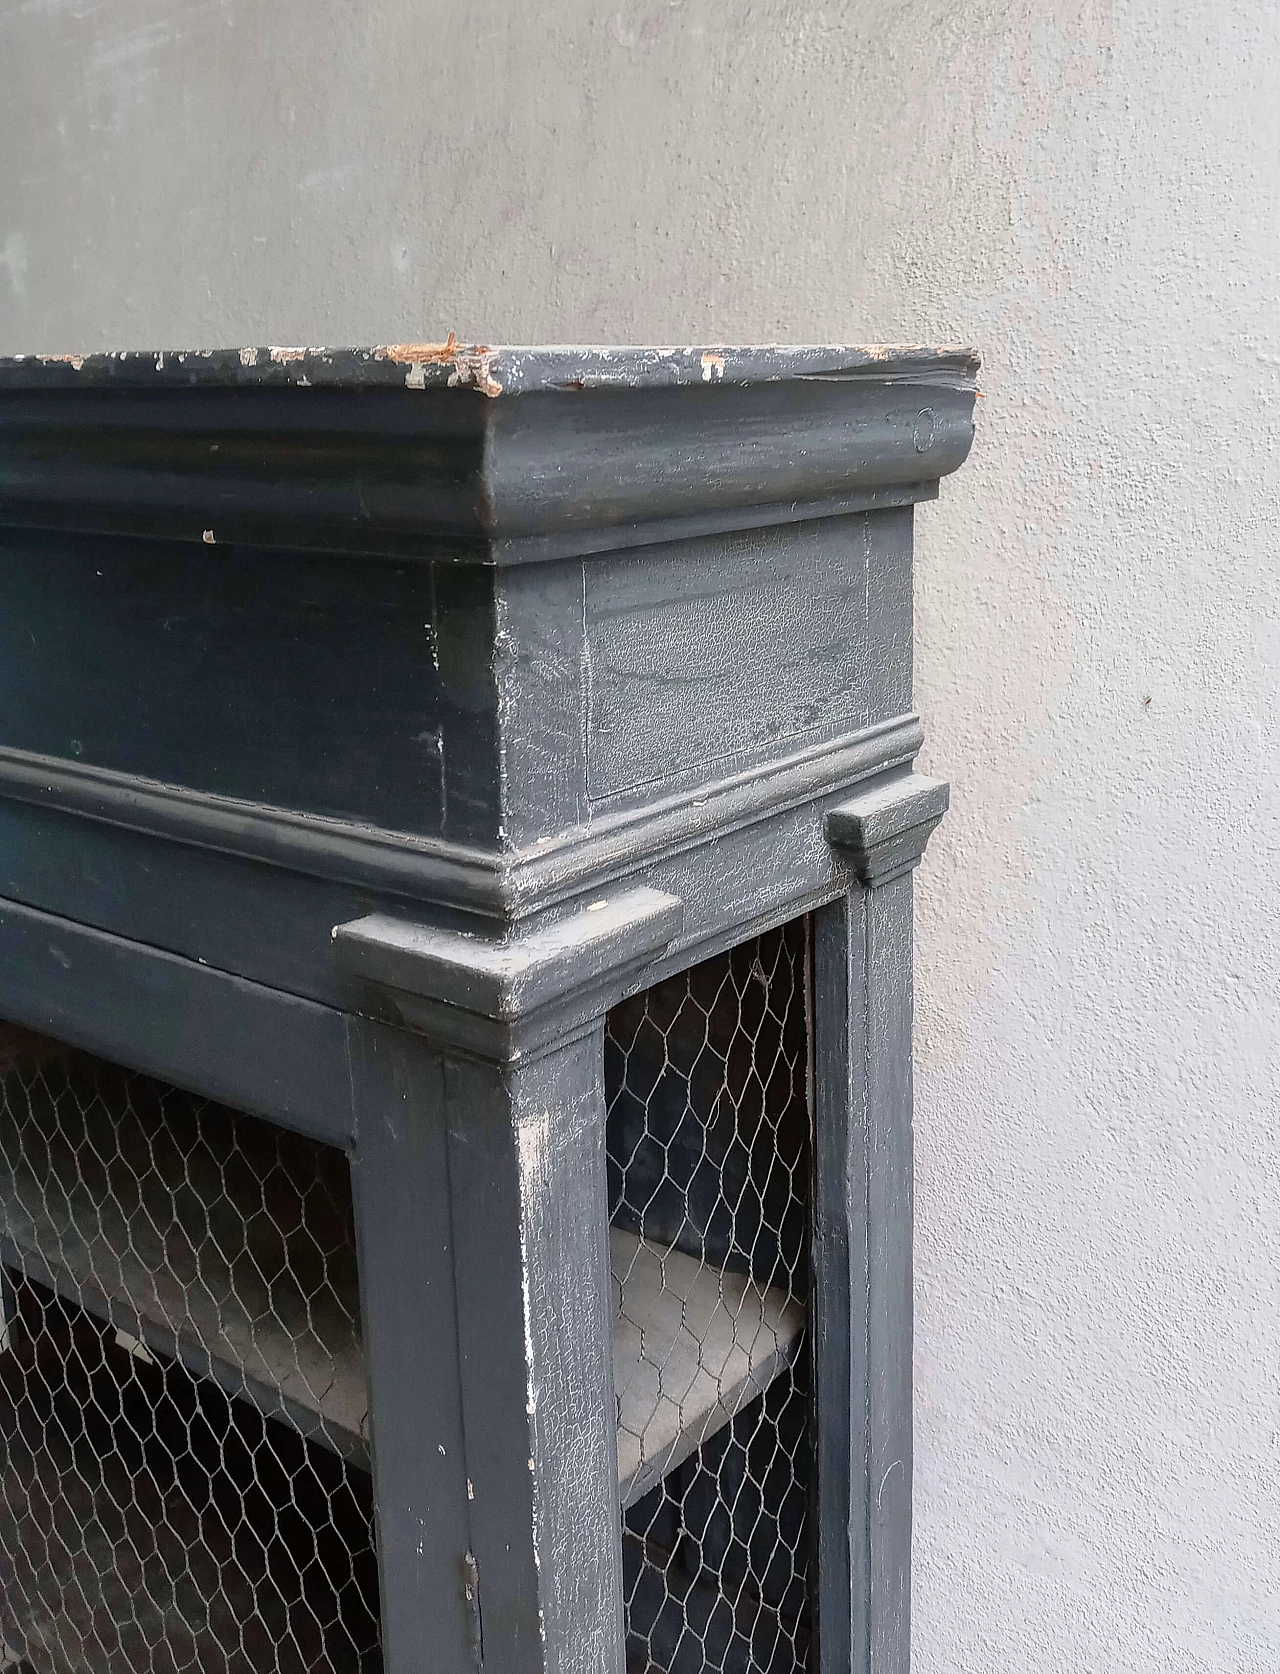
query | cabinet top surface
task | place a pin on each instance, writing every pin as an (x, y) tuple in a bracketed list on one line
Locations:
[(492, 371)]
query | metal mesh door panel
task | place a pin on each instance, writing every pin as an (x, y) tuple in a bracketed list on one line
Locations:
[(183, 1438), (707, 1080)]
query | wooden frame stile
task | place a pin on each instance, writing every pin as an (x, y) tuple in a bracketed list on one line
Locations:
[(560, 672), (863, 1232), (513, 1097)]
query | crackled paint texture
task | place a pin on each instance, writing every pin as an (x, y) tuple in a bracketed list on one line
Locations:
[(1088, 192)]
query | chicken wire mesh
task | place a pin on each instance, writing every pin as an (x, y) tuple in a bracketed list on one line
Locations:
[(182, 1412), (707, 1079)]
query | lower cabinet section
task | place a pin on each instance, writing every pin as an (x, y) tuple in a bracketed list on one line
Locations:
[(185, 1480)]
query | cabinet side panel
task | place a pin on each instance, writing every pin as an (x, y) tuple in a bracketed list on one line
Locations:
[(304, 681), (728, 650)]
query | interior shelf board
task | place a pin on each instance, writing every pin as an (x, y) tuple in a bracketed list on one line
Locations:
[(155, 1272), (692, 1345)]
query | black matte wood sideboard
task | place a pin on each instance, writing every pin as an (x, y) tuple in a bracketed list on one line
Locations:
[(457, 816)]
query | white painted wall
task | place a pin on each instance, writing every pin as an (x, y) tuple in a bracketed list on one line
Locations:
[(1089, 192)]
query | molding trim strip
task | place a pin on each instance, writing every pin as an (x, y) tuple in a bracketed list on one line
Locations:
[(502, 886), (535, 549), (476, 455)]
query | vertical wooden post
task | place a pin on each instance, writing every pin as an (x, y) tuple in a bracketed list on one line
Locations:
[(862, 1211), (530, 1205), (483, 1208), (841, 1600), (484, 1250), (400, 1178)]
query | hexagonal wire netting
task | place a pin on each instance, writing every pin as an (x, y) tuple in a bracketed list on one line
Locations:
[(183, 1432), (707, 1077), (183, 1453)]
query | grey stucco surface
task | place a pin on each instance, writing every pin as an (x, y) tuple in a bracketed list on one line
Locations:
[(1087, 192)]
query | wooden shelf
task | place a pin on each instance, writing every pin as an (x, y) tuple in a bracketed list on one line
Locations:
[(175, 1259), (692, 1345), (183, 1250)]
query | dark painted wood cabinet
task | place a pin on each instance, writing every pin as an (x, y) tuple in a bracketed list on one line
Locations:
[(457, 818)]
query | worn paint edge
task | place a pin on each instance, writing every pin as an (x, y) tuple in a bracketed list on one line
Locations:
[(490, 369)]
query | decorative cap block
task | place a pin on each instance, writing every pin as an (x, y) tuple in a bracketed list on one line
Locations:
[(885, 828), (488, 455), (482, 994)]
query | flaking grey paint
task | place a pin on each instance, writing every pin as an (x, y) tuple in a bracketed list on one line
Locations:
[(452, 1026)]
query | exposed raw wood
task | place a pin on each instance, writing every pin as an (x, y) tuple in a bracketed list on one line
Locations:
[(692, 1345)]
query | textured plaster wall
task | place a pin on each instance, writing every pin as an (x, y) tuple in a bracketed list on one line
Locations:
[(1089, 192)]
